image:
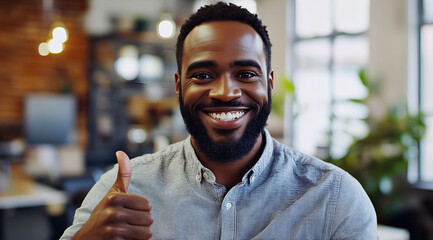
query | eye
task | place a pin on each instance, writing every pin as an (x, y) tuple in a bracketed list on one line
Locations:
[(202, 76), (247, 75)]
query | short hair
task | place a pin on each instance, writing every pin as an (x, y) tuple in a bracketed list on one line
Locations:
[(222, 11)]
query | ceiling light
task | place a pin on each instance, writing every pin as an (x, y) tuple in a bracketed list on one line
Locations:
[(166, 29), (43, 49), (60, 34), (55, 46)]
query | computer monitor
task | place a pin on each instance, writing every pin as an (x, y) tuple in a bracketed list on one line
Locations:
[(50, 119)]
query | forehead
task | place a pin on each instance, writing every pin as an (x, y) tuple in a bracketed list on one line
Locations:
[(230, 39)]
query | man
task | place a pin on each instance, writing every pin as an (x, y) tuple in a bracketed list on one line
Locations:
[(229, 179)]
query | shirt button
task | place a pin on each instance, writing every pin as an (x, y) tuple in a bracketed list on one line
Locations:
[(205, 175), (198, 178), (228, 206)]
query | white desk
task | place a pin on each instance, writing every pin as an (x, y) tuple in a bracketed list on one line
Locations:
[(36, 195), (22, 192), (392, 233)]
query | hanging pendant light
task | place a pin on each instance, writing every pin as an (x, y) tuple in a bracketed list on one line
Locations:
[(166, 27), (58, 33)]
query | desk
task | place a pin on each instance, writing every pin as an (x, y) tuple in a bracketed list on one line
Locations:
[(35, 195), (392, 233), (22, 191)]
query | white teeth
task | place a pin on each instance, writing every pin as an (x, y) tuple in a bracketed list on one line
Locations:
[(227, 116)]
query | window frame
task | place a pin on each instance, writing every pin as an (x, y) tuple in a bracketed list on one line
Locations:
[(421, 21), (331, 37)]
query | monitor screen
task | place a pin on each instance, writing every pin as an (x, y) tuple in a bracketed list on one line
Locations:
[(50, 119)]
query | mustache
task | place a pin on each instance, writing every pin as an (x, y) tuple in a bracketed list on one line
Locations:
[(231, 103)]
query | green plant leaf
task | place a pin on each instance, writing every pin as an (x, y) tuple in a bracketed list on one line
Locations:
[(288, 85)]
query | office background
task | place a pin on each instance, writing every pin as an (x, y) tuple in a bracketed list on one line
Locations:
[(353, 87)]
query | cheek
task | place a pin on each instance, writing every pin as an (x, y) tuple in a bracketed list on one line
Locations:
[(258, 94), (191, 95)]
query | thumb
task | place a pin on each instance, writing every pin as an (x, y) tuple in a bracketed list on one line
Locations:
[(125, 172)]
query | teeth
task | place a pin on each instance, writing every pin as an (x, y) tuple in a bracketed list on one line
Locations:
[(227, 116)]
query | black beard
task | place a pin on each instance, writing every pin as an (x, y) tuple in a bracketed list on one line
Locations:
[(227, 151)]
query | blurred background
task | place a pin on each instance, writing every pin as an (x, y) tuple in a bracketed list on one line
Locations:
[(82, 79)]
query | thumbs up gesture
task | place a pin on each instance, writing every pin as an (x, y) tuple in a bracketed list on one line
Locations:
[(119, 215)]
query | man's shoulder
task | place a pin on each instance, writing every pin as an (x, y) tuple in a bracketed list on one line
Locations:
[(299, 158), (312, 171), (305, 165), (164, 156)]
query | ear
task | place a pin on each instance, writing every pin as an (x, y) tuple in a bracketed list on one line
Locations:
[(177, 82), (271, 80)]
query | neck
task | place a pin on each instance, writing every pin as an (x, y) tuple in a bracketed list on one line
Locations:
[(230, 174)]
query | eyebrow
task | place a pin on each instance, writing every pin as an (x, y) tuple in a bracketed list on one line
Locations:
[(237, 63), (246, 63), (201, 64)]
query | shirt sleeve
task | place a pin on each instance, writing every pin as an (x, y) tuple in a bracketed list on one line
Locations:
[(355, 217), (82, 214)]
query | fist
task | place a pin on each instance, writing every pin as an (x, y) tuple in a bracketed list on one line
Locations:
[(119, 215)]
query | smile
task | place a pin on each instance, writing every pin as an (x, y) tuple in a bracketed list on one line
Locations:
[(226, 116)]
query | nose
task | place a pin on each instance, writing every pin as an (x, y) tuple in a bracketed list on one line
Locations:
[(225, 88)]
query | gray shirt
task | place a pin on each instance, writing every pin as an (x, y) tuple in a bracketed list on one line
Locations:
[(286, 195)]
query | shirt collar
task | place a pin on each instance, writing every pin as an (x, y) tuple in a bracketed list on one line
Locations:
[(194, 167), (264, 160), (266, 156)]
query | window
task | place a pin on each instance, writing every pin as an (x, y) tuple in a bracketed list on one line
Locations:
[(425, 99), (329, 49)]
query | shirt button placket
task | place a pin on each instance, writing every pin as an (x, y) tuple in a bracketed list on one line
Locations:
[(228, 218)]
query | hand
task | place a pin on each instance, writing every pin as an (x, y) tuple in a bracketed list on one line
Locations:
[(119, 215)]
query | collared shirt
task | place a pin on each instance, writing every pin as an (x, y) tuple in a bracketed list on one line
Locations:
[(285, 195)]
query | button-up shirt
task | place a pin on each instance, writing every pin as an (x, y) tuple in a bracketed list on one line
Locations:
[(285, 195)]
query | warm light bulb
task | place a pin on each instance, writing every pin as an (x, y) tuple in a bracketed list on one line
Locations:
[(127, 67), (60, 34), (166, 29), (55, 46), (151, 67), (43, 49), (137, 135)]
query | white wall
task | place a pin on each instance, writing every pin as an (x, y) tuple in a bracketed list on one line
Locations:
[(274, 15), (389, 40)]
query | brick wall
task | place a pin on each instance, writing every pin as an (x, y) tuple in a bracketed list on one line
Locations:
[(23, 25)]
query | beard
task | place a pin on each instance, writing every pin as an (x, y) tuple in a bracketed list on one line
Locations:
[(226, 151)]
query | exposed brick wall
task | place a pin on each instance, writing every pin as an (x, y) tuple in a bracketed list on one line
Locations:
[(23, 25)]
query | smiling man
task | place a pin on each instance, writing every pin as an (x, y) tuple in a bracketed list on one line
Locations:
[(224, 93), (230, 179)]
